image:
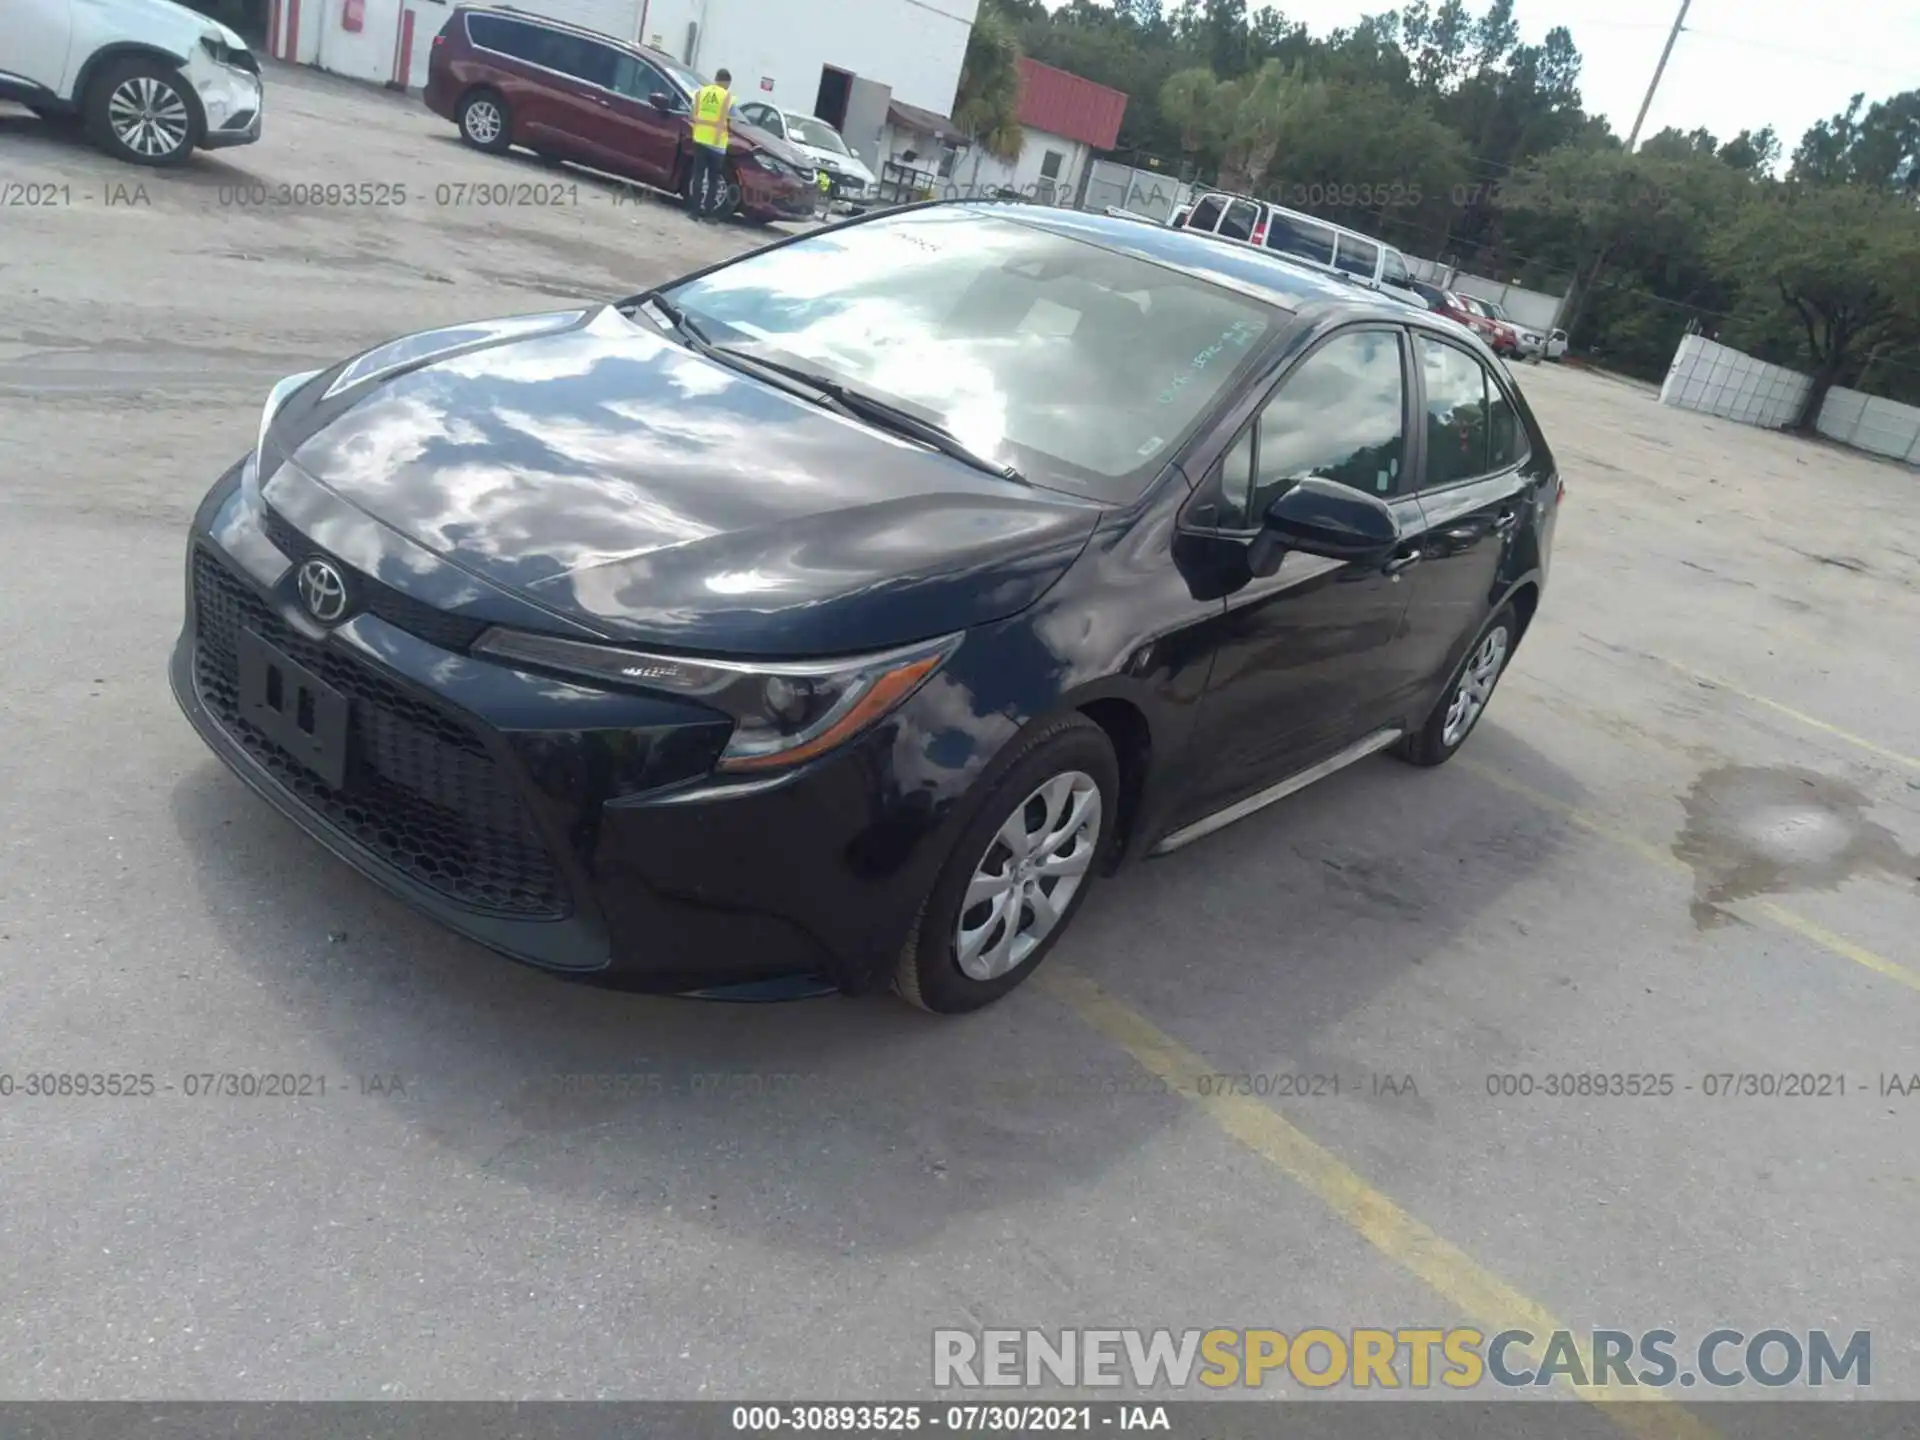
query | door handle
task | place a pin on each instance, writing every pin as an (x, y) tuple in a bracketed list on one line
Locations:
[(1401, 560), (1505, 521)]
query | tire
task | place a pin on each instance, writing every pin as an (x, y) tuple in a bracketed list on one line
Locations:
[(485, 121), (1054, 780), (1435, 742), (143, 112)]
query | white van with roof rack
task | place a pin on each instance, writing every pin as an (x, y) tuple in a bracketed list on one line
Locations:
[(1299, 237)]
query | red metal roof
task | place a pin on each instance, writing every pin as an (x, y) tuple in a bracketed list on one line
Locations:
[(1063, 104)]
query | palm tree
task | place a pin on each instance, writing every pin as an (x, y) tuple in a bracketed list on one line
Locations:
[(987, 105)]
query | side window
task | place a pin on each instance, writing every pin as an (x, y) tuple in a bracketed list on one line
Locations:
[(595, 63), (1206, 214), (1394, 269), (1241, 217), (1357, 256), (1459, 426), (1299, 237), (1340, 416), (1236, 483), (1507, 442), (635, 78), (493, 33)]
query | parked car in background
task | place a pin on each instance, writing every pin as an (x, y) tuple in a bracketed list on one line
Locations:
[(507, 77), (711, 638), (1556, 344), (1487, 320), (152, 81), (1298, 236), (850, 181)]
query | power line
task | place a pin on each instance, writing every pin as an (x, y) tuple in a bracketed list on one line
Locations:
[(1797, 53)]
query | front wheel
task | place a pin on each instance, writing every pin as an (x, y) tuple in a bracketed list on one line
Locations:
[(1017, 874), (142, 111), (1465, 700)]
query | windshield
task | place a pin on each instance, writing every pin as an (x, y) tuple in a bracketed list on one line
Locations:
[(1080, 367), (817, 133)]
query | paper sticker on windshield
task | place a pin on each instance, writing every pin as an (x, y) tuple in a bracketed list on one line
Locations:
[(1152, 447)]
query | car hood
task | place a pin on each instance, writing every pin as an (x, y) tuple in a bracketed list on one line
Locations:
[(757, 139), (610, 475)]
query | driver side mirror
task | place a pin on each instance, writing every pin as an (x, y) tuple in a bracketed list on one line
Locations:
[(661, 101), (1323, 517)]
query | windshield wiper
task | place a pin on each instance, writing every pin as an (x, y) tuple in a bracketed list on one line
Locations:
[(876, 411), (676, 317)]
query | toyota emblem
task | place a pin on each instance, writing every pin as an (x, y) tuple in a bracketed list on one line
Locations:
[(322, 591)]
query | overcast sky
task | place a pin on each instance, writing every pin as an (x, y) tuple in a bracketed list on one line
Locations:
[(1739, 64)]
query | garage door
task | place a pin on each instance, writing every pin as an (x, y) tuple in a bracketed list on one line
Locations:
[(618, 18)]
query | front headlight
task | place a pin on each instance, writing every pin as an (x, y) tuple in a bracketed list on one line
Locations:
[(277, 397), (784, 712)]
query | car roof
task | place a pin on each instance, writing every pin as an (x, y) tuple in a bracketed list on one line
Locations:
[(534, 17), (1264, 274)]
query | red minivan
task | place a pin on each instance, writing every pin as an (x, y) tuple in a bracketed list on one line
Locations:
[(507, 78)]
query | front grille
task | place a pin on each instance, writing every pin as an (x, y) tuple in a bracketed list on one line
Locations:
[(422, 792), (402, 611)]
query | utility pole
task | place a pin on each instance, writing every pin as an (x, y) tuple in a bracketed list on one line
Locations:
[(1658, 71)]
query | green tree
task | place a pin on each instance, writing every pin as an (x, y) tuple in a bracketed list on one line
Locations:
[(987, 103), (1880, 148), (1845, 262)]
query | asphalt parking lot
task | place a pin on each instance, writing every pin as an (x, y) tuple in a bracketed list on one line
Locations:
[(1686, 843)]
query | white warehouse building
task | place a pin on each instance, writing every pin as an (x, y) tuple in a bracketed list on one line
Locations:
[(843, 60)]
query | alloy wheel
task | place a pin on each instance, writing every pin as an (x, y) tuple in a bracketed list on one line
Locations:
[(1037, 860), (483, 122), (148, 116), (1470, 696)]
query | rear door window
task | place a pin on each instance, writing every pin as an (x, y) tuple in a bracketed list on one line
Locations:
[(1241, 217), (509, 37), (1394, 270), (1206, 214), (1472, 428), (579, 57), (1291, 235), (1357, 256)]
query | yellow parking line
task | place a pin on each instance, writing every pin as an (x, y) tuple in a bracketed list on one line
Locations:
[(1779, 914), (1811, 721), (1475, 1291)]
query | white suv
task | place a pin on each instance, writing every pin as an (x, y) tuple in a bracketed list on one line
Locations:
[(151, 80)]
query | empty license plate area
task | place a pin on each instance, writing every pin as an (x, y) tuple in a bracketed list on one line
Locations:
[(294, 708)]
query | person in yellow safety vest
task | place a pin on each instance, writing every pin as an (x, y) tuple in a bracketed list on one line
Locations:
[(707, 184)]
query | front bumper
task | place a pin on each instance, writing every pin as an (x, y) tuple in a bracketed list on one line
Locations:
[(232, 102), (572, 829), (765, 196)]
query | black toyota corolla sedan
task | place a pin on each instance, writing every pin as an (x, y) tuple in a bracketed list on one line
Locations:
[(846, 608)]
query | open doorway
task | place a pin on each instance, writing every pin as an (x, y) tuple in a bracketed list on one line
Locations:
[(830, 104)]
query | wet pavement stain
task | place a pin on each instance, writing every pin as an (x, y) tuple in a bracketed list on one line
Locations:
[(1755, 830)]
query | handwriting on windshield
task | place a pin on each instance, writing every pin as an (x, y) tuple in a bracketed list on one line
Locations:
[(1236, 336)]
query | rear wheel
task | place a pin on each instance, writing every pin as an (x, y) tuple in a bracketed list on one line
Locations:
[(1465, 700), (485, 121), (142, 111), (1018, 873)]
